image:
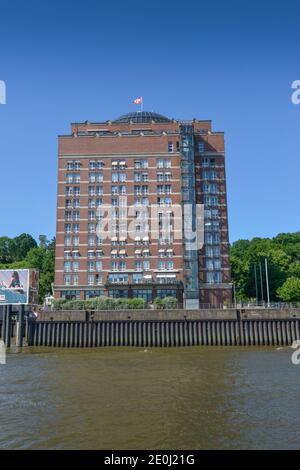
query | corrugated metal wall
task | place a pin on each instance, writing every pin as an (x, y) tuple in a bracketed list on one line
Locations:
[(163, 333)]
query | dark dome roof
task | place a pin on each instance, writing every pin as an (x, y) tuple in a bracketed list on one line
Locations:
[(142, 116)]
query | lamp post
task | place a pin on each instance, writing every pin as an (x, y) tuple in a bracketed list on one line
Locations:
[(267, 281)]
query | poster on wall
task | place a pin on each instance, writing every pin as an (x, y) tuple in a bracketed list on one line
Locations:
[(18, 286)]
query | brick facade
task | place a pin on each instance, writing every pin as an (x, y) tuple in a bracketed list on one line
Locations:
[(139, 164)]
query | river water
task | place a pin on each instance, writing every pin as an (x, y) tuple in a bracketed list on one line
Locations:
[(181, 398)]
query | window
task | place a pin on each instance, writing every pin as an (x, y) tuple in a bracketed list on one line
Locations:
[(69, 178), (67, 266), (137, 278), (161, 265), (95, 165), (75, 241), (70, 166), (95, 177), (91, 266), (170, 147), (142, 294), (162, 293), (76, 177), (214, 277), (211, 200), (122, 266), (90, 279), (91, 228), (68, 228), (209, 175), (115, 177), (90, 294), (67, 280), (67, 241), (163, 163), (140, 164), (76, 215), (170, 265), (99, 240), (98, 265), (68, 203), (75, 279), (146, 264), (201, 146), (75, 266), (210, 188), (91, 240), (70, 294), (76, 203), (138, 265), (76, 228)]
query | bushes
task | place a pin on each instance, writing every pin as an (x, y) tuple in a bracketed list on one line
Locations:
[(99, 303), (109, 303), (167, 302)]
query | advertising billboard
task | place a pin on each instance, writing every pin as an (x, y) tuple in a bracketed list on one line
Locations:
[(18, 286)]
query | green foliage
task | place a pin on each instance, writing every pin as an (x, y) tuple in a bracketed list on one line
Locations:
[(99, 303), (22, 252), (166, 302), (283, 255), (15, 249), (290, 290)]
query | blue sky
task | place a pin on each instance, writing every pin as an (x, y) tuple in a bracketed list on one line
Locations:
[(229, 61)]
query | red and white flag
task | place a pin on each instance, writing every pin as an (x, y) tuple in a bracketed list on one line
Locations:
[(138, 100)]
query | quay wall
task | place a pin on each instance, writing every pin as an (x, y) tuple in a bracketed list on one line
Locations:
[(158, 328)]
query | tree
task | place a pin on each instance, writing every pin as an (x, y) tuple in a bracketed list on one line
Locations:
[(40, 257), (290, 290), (20, 246), (5, 256), (282, 253)]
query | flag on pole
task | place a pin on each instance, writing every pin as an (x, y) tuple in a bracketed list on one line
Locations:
[(138, 100)]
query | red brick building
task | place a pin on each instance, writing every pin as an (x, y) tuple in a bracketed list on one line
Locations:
[(125, 191)]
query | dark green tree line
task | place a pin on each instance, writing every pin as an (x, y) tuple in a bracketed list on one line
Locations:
[(283, 255)]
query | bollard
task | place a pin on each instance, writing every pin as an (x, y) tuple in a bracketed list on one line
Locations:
[(19, 335), (4, 313), (8, 326)]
